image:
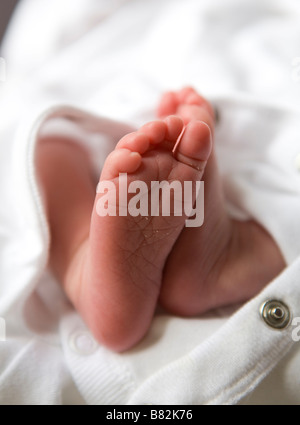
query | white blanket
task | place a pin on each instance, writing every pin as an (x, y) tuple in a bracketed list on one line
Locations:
[(79, 60)]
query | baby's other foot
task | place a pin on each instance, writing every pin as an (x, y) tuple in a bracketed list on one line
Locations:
[(119, 270), (224, 261), (187, 104)]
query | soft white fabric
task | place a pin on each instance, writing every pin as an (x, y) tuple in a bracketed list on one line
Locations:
[(70, 63)]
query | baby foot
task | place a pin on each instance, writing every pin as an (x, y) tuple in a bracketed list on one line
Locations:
[(224, 261), (121, 270)]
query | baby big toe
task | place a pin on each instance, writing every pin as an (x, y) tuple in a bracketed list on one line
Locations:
[(195, 145), (168, 104)]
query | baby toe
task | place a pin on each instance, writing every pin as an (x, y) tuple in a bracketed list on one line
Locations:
[(120, 161), (155, 131), (168, 104), (174, 128), (135, 142), (195, 145)]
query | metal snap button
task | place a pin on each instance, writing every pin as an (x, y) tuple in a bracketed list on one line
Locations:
[(276, 314)]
